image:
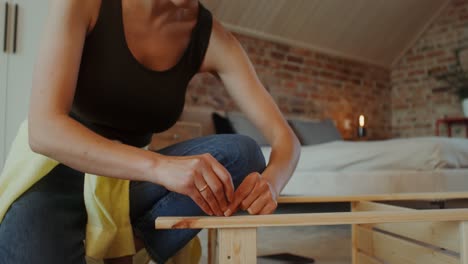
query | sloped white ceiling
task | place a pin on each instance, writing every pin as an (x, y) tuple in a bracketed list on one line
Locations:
[(374, 31)]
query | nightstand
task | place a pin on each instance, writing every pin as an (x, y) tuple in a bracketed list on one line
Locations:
[(449, 121)]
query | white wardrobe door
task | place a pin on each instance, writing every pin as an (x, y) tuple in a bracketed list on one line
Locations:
[(31, 18), (3, 80)]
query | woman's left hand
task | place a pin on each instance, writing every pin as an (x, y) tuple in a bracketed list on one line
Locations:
[(255, 194)]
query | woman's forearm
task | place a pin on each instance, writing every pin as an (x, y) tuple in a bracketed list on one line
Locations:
[(285, 153), (69, 142)]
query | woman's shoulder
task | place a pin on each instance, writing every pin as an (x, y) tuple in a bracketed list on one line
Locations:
[(85, 10), (221, 43)]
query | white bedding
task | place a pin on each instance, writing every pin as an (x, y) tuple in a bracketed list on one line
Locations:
[(343, 183), (427, 153)]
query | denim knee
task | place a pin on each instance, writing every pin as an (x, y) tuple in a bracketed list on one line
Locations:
[(240, 155)]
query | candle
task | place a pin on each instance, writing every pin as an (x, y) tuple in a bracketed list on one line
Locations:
[(361, 128)]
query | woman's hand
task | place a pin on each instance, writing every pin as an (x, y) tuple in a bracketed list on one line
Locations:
[(255, 194), (201, 177)]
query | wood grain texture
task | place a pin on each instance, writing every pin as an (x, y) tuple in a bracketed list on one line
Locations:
[(212, 245), (439, 234), (434, 196), (311, 219), (354, 245), (464, 242), (396, 250), (237, 246), (364, 259)]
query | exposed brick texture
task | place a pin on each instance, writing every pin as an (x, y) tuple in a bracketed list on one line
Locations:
[(309, 84), (417, 99)]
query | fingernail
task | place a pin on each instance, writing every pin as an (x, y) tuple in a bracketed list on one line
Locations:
[(228, 212)]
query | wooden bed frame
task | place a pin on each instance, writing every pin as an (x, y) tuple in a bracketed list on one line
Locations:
[(381, 233)]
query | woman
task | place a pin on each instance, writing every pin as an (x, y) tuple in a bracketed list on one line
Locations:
[(109, 74)]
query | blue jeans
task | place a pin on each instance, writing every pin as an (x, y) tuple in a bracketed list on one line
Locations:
[(46, 225)]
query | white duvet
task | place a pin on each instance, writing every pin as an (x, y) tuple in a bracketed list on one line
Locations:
[(428, 153)]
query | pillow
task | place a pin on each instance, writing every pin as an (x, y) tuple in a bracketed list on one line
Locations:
[(221, 124), (243, 126), (315, 132)]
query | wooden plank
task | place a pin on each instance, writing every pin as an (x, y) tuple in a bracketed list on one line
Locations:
[(311, 219), (365, 259), (376, 197), (395, 250), (237, 245), (439, 234), (354, 243), (371, 206), (212, 245), (464, 242)]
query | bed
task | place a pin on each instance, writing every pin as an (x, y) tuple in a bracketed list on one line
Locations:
[(416, 169), (427, 164)]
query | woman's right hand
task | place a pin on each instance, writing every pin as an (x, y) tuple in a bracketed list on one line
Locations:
[(201, 177)]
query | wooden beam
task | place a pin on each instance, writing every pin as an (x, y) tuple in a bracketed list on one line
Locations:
[(371, 206), (375, 197), (354, 245), (311, 219), (212, 245), (439, 234), (237, 246), (364, 259), (396, 250), (464, 242)]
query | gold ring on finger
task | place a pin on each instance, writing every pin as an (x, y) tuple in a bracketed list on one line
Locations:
[(203, 188)]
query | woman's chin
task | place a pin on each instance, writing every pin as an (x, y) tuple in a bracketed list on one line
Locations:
[(184, 3)]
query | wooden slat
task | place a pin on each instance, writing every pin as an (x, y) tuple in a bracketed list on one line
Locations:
[(371, 206), (376, 197), (237, 245), (212, 245), (354, 248), (439, 234), (464, 242), (311, 219), (395, 250), (364, 259)]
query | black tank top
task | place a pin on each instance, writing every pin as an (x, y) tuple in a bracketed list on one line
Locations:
[(119, 98)]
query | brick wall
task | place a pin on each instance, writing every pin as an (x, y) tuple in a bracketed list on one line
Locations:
[(309, 84), (417, 99)]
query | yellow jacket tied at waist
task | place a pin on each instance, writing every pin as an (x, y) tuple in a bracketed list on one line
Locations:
[(108, 232)]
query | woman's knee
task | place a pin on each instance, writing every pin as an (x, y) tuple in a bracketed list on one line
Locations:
[(240, 154)]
